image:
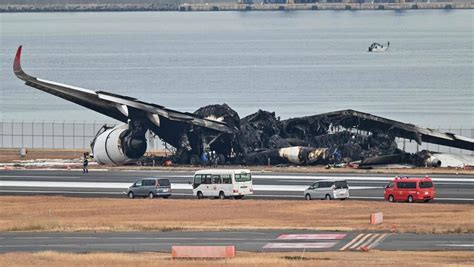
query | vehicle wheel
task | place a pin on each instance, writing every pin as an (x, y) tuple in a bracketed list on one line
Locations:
[(221, 195), (131, 195), (343, 199), (239, 197), (200, 195), (307, 197), (327, 197), (166, 197), (391, 198), (410, 199), (151, 195), (427, 200)]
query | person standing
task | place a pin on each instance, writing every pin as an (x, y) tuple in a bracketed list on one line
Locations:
[(85, 164)]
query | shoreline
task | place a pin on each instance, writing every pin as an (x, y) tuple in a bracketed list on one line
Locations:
[(203, 7)]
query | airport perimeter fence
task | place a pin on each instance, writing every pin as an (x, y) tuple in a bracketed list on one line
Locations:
[(78, 135), (57, 135)]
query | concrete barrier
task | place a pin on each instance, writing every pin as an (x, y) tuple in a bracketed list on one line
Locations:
[(376, 218), (202, 252)]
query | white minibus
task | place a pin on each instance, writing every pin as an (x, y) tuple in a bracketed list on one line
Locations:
[(222, 183)]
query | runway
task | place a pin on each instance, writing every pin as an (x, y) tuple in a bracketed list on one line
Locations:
[(244, 240), (102, 183)]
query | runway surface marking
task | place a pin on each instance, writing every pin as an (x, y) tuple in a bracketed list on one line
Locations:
[(41, 177), (64, 192), (297, 244), (355, 178), (319, 245), (386, 178), (297, 188), (311, 236), (369, 240), (455, 245)]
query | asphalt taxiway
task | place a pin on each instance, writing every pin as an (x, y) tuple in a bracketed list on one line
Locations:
[(269, 185), (243, 240)]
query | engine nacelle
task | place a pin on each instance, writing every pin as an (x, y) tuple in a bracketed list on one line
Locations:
[(116, 146), (432, 162)]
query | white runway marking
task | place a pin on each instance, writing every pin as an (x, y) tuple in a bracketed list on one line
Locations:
[(296, 188), (352, 242), (61, 192), (378, 241), (365, 240), (299, 245), (40, 177), (311, 236), (354, 178), (385, 178), (455, 245), (64, 184)]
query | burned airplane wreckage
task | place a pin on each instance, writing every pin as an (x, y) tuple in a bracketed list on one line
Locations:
[(260, 138), (334, 137)]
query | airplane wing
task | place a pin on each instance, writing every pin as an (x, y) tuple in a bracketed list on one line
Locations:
[(113, 105)]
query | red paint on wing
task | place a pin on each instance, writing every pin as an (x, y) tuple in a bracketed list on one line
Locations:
[(16, 63)]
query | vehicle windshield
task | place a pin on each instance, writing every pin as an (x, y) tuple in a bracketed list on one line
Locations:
[(243, 177), (341, 185), (164, 182), (426, 184)]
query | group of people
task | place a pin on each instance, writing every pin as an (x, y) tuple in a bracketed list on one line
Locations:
[(210, 158)]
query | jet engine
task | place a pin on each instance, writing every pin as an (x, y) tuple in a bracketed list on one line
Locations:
[(432, 161), (118, 145)]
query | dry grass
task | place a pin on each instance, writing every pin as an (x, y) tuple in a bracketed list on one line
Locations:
[(372, 258), (12, 155), (45, 213)]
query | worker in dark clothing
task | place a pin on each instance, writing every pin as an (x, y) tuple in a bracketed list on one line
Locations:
[(85, 164)]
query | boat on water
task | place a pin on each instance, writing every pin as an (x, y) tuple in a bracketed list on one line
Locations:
[(376, 47)]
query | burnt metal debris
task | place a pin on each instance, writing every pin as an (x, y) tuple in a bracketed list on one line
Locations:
[(216, 134), (335, 137)]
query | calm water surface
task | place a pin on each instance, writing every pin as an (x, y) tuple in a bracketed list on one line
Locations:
[(293, 63)]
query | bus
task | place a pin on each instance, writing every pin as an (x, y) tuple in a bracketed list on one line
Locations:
[(222, 183)]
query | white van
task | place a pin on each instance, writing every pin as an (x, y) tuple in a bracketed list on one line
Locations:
[(222, 183), (327, 189)]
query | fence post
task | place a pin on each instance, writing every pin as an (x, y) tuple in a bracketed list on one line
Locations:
[(12, 134), (32, 135), (73, 134), (1, 134), (438, 144), (53, 133), (472, 136), (22, 134), (42, 134), (64, 135), (449, 148), (83, 134)]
